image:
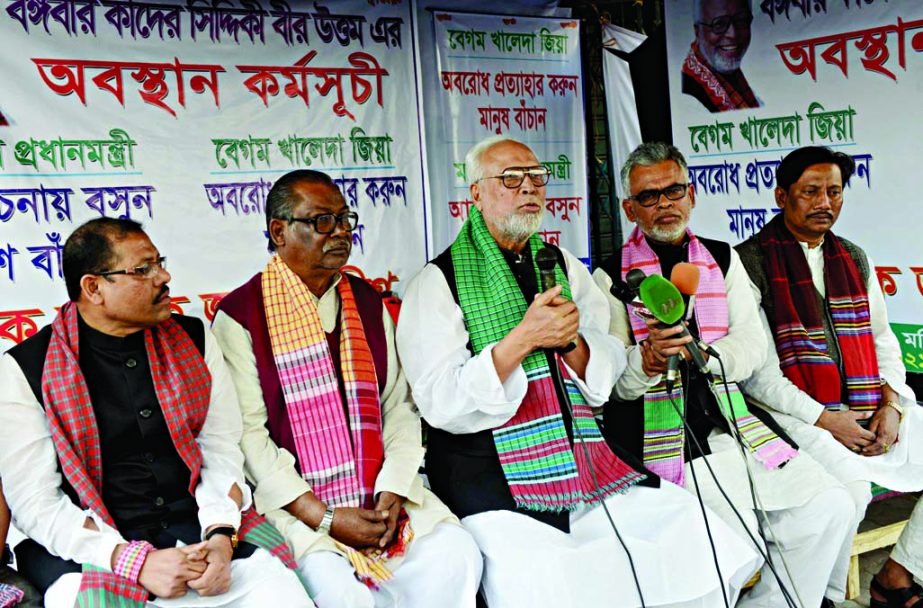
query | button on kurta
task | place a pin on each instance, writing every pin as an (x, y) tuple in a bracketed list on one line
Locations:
[(145, 413), (158, 502), (131, 363)]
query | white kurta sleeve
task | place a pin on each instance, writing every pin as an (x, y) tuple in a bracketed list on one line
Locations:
[(633, 382), (607, 353), (887, 349), (401, 432), (743, 349), (219, 440), (269, 467), (32, 484), (454, 391), (461, 393)]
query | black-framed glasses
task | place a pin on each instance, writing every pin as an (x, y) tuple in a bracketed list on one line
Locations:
[(649, 198), (144, 271), (513, 177), (721, 24), (326, 223)]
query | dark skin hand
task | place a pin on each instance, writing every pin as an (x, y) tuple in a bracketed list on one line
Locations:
[(359, 528), (660, 345), (885, 424), (216, 579), (392, 503), (166, 572)]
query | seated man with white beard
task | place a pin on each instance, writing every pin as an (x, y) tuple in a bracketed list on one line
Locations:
[(513, 447)]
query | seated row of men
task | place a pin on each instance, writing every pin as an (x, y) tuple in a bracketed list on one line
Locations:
[(273, 460)]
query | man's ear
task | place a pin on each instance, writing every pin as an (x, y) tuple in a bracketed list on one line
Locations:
[(691, 194), (781, 197), (277, 231), (89, 288), (629, 212), (475, 190)]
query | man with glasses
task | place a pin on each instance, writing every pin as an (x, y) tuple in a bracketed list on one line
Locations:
[(119, 455), (841, 389), (505, 373), (331, 437), (711, 71), (679, 431)]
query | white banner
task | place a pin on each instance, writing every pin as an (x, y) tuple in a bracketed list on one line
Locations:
[(840, 73), (517, 76), (181, 115)]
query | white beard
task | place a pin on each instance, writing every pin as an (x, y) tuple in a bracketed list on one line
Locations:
[(518, 227), (718, 62), (668, 235)]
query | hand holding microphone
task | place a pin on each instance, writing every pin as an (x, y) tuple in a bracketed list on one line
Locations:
[(559, 307)]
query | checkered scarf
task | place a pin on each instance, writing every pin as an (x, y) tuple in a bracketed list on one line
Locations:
[(543, 472), (726, 91), (340, 457), (10, 595), (664, 434), (182, 383), (798, 325)]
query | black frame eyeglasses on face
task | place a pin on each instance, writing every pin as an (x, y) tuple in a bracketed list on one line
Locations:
[(720, 25), (326, 223), (512, 177), (649, 198), (144, 271)]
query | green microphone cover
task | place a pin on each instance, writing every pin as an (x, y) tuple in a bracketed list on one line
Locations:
[(662, 298)]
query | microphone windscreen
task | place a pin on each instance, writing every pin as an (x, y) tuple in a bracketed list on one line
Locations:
[(634, 278), (662, 298), (686, 278), (546, 258)]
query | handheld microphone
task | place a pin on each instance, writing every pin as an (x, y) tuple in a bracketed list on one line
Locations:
[(546, 259), (627, 290), (686, 278), (665, 302)]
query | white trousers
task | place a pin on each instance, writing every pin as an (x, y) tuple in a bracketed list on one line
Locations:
[(908, 551), (259, 580), (528, 563), (440, 569), (813, 533)]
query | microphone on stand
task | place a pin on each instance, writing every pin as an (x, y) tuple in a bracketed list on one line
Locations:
[(665, 302), (546, 259), (686, 278)]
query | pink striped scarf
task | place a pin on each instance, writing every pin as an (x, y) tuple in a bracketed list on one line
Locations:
[(339, 457), (664, 435)]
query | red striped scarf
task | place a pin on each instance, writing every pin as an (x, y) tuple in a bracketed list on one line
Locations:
[(798, 321), (340, 457), (726, 91), (182, 383)]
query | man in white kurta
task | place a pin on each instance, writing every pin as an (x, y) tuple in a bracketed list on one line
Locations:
[(810, 193), (800, 505), (442, 565), (119, 297), (477, 403)]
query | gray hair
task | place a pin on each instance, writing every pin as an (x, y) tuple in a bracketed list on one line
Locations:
[(697, 9), (648, 154), (473, 169), (281, 200)]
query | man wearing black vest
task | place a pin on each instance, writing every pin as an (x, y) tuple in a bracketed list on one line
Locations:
[(505, 372), (331, 438), (841, 389), (797, 498), (119, 455)]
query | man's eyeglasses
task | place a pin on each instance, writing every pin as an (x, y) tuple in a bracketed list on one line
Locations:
[(720, 25), (144, 271), (326, 223), (514, 176), (649, 198)]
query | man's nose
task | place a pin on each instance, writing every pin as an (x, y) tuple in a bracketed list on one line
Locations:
[(163, 276)]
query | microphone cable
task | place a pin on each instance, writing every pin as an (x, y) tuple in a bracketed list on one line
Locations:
[(754, 495), (578, 434), (763, 553), (698, 495)]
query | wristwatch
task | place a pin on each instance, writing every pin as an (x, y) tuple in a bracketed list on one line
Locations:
[(224, 531), (896, 406), (326, 521)]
